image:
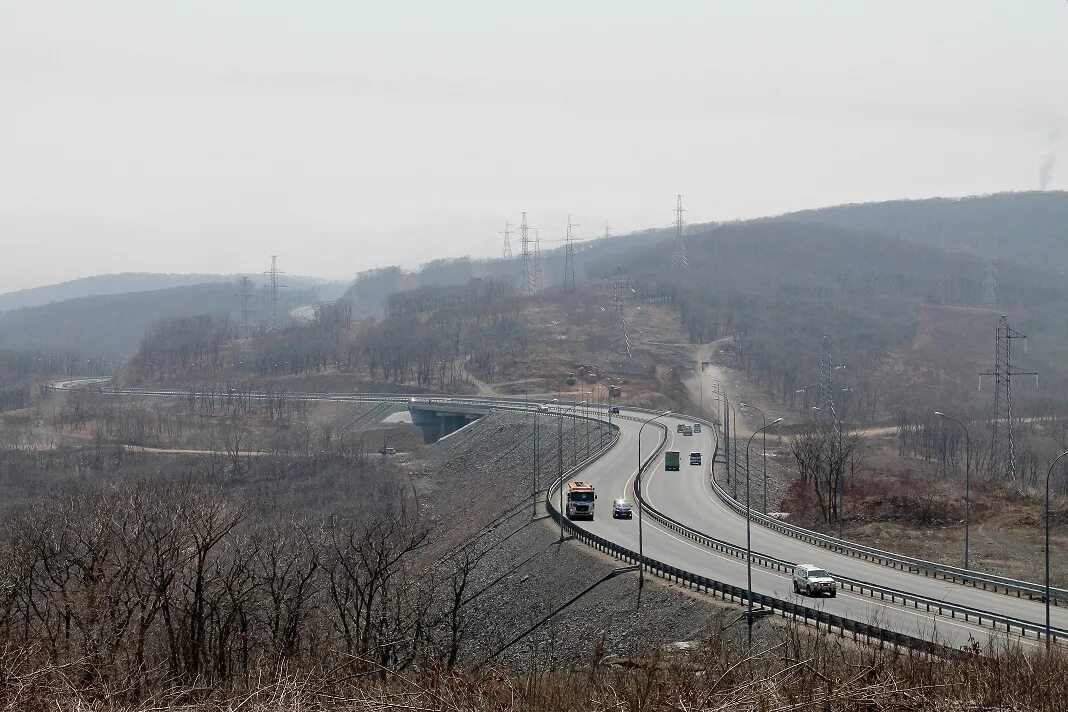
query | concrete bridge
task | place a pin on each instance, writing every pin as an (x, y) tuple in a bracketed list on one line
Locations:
[(439, 418)]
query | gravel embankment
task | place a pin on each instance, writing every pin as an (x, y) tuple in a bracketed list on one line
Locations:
[(524, 573)]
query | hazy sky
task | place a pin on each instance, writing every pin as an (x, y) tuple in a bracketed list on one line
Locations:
[(205, 135)]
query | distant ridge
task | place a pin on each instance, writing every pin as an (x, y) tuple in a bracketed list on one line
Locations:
[(124, 282)]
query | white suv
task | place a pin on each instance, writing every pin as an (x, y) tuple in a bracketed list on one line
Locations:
[(811, 580)]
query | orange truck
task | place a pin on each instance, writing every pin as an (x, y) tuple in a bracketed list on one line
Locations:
[(579, 500)]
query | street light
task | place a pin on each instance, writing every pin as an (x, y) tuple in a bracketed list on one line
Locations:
[(748, 536), (764, 454), (638, 490), (1048, 473), (560, 459), (967, 481)]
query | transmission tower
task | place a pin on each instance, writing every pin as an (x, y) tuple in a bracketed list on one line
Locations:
[(990, 284), (679, 258), (527, 278), (506, 253), (537, 261), (1002, 443), (275, 276), (607, 231), (569, 258), (826, 381), (619, 343), (246, 297)]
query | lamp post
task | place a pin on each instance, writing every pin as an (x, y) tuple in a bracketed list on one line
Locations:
[(748, 537), (560, 459), (967, 481), (638, 490), (764, 453), (1048, 473), (839, 484)]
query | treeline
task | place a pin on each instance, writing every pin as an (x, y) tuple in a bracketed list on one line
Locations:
[(18, 369), (137, 588), (427, 338)]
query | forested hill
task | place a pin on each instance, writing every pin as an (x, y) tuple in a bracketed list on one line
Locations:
[(1029, 228), (778, 288), (115, 324)]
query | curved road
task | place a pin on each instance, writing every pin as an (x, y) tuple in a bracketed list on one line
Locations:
[(686, 496)]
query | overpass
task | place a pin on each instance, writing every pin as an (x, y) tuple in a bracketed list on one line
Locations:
[(438, 417)]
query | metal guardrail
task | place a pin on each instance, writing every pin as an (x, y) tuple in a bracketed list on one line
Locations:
[(996, 621), (922, 567), (787, 608), (732, 593)]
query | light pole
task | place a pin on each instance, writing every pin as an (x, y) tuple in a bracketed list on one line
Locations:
[(748, 537), (1048, 473), (764, 453), (560, 459), (638, 490), (967, 481), (839, 484)]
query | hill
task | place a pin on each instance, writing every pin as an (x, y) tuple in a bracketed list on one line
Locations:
[(125, 282), (114, 324), (1030, 228), (904, 317)]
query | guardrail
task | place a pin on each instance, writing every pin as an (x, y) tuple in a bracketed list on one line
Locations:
[(930, 605), (922, 567), (737, 594), (788, 608)]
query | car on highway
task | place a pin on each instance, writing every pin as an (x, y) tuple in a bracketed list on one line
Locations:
[(695, 458), (680, 428), (622, 509), (388, 451), (811, 580), (687, 430), (697, 427), (614, 410)]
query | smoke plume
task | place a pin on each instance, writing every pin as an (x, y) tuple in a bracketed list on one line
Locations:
[(1045, 170)]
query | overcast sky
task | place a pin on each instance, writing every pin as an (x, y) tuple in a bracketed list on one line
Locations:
[(205, 135)]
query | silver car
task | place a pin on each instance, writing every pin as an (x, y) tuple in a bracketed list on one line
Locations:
[(810, 580), (622, 509)]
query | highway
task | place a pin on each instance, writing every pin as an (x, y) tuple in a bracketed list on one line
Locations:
[(686, 496)]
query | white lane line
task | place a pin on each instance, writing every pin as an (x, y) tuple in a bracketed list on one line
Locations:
[(867, 601)]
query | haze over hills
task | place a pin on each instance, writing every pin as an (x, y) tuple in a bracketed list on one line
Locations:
[(1030, 228), (124, 282), (114, 324)]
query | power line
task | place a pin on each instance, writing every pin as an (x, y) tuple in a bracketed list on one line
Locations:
[(1002, 440), (506, 253), (246, 297), (537, 261), (619, 343), (275, 275), (569, 257), (679, 258), (990, 283), (527, 278)]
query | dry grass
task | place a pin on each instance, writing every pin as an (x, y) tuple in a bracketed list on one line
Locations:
[(804, 671)]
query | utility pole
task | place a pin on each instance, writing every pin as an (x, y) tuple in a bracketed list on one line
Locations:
[(275, 276), (619, 343), (506, 253), (1002, 442), (537, 261), (990, 283), (527, 278), (569, 258), (246, 307), (678, 260)]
